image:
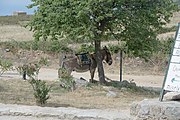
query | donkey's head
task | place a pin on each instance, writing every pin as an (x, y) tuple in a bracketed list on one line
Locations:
[(106, 55)]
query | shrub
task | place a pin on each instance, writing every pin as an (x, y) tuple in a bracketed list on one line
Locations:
[(40, 88), (66, 80), (32, 69), (41, 91)]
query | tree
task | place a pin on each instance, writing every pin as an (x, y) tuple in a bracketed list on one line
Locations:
[(133, 21)]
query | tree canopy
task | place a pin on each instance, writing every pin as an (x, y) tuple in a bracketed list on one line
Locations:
[(133, 21)]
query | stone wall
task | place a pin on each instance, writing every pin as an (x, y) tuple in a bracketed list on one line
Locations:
[(155, 110)]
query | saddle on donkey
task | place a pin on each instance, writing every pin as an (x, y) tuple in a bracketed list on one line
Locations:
[(83, 58)]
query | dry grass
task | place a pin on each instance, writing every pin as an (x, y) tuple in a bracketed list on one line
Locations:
[(15, 32), (20, 92)]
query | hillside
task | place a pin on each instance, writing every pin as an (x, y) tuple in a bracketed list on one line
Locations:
[(14, 20), (11, 27)]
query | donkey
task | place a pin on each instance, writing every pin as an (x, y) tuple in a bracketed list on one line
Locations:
[(72, 64)]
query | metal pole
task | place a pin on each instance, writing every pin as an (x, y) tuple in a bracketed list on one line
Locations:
[(120, 67), (161, 95)]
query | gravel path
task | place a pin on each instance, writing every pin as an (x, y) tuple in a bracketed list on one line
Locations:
[(52, 74)]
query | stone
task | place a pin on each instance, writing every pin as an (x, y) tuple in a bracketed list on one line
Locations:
[(80, 82), (155, 110), (111, 94), (60, 113), (172, 96)]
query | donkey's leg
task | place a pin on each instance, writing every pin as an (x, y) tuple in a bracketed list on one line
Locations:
[(60, 70), (24, 75), (92, 71), (66, 68)]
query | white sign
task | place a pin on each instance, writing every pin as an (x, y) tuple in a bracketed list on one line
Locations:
[(177, 44), (176, 52), (178, 37), (172, 79), (175, 59)]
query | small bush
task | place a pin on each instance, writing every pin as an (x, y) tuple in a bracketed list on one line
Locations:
[(41, 91), (40, 88), (32, 69), (66, 80)]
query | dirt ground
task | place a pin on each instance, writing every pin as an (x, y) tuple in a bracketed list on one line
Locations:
[(52, 74)]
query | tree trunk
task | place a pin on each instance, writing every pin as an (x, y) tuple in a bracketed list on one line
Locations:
[(99, 61)]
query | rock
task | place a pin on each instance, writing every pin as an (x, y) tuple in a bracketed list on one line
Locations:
[(124, 89), (155, 110), (126, 83), (80, 82), (7, 50), (111, 94), (59, 113), (172, 96), (108, 88)]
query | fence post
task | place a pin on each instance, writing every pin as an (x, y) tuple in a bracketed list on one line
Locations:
[(120, 66)]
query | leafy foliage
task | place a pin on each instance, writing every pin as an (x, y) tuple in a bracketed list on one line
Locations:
[(160, 58), (40, 88), (167, 29), (133, 21), (41, 91), (116, 48), (166, 46), (66, 80), (85, 48), (32, 69)]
